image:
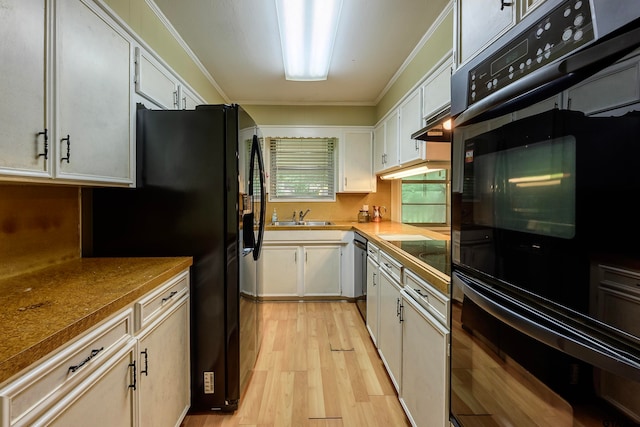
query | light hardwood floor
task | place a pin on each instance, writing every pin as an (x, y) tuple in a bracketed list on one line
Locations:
[(317, 367)]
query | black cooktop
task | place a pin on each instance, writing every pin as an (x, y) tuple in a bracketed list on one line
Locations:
[(436, 253)]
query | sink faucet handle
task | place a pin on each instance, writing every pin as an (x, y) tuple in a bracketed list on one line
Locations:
[(304, 214)]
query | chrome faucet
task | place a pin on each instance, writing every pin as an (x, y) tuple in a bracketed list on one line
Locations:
[(302, 215)]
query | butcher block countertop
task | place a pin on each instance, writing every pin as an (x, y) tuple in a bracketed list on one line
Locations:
[(42, 310), (371, 230)]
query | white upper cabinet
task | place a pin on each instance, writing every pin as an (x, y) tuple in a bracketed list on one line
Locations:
[(67, 89), (155, 82), (356, 168), (410, 121), (188, 100), (479, 23), (378, 148), (436, 90), (391, 137), (94, 110), (24, 136), (385, 143)]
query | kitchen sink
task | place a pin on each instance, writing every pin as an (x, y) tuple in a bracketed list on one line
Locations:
[(301, 223)]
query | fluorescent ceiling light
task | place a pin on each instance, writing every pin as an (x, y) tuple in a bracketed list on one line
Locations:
[(409, 172), (307, 34)]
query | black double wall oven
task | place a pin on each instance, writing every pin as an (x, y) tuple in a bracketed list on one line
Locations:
[(545, 252)]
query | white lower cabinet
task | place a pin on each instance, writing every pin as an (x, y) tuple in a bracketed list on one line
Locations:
[(321, 270), (424, 394), (279, 271), (424, 367), (116, 374), (407, 319), (390, 326), (373, 298), (301, 270), (163, 366), (106, 398)]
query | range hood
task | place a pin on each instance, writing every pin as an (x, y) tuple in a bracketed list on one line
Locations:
[(435, 131)]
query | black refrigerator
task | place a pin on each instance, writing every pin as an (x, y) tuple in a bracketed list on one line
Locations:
[(187, 203)]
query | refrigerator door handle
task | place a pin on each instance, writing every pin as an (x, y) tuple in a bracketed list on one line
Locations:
[(256, 154)]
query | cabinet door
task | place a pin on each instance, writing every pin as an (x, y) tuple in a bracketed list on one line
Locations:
[(410, 121), (436, 92), (391, 155), (356, 162), (155, 82), (163, 368), (322, 270), (105, 398), (279, 271), (378, 148), (93, 97), (528, 5), (373, 298), (479, 23), (22, 88), (188, 99), (390, 329), (425, 367)]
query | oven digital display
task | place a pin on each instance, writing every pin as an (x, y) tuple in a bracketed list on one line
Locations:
[(520, 51)]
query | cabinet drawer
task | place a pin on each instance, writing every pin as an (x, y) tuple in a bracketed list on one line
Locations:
[(158, 301), (432, 300), (391, 266), (54, 377), (373, 252)]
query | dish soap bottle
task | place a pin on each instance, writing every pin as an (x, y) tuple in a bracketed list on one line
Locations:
[(274, 217)]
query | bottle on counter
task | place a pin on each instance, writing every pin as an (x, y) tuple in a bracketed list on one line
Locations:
[(274, 216)]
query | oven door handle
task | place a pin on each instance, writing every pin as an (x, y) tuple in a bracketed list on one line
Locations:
[(550, 331), (551, 79)]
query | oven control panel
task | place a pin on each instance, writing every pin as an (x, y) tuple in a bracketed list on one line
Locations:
[(560, 32)]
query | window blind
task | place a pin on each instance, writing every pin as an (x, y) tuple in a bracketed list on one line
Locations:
[(302, 168)]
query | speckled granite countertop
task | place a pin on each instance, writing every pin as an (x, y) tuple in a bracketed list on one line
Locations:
[(43, 310), (371, 230)]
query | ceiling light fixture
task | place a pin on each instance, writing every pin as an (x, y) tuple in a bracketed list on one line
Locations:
[(307, 34)]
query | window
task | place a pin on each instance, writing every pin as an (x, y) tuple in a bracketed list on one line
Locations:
[(425, 198), (302, 169)]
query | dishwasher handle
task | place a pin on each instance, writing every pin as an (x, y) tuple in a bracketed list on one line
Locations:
[(359, 244)]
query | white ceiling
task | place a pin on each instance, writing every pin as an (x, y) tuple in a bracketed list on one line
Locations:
[(237, 41)]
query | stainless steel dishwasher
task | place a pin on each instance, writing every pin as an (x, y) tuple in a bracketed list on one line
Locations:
[(360, 273)]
